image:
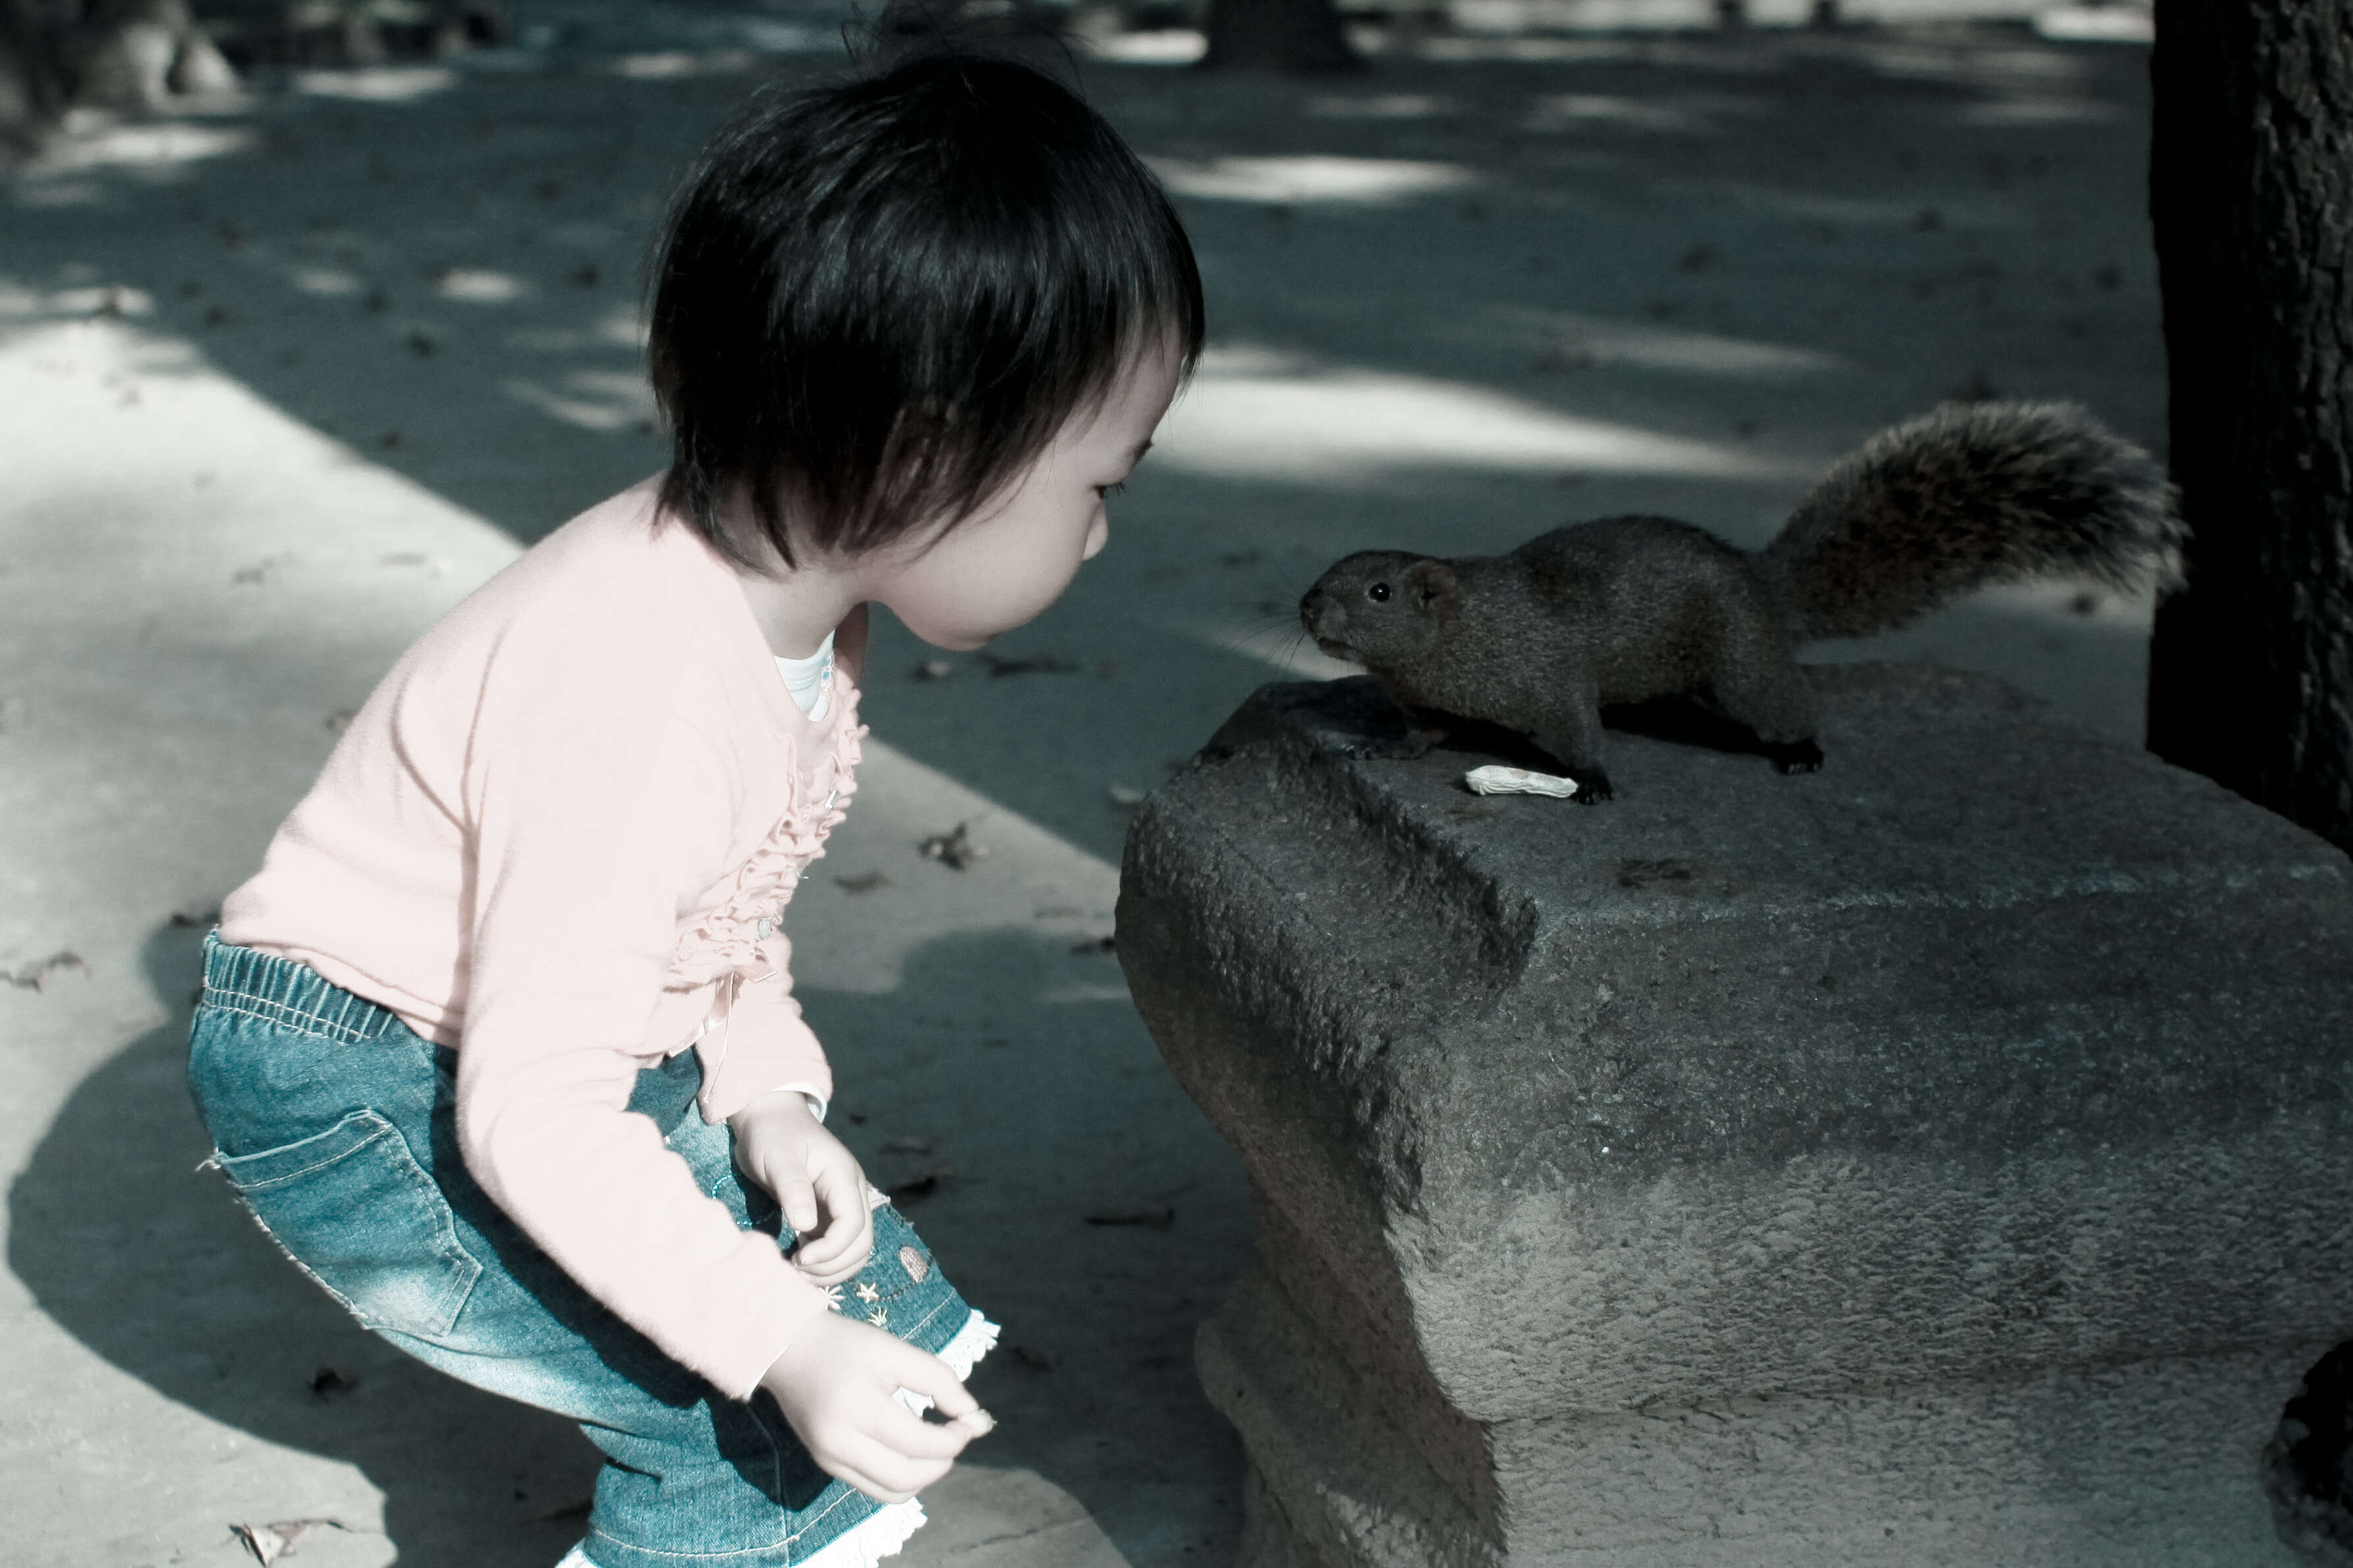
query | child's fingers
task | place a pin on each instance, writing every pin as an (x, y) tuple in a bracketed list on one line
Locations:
[(898, 1476), (902, 1431), (798, 1199), (841, 1233), (849, 1236), (838, 1274), (930, 1376), (857, 1475)]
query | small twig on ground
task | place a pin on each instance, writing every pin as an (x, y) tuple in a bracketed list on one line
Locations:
[(36, 976), (915, 1189), (1036, 664)]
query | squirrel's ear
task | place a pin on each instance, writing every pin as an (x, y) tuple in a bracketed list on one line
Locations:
[(1431, 581)]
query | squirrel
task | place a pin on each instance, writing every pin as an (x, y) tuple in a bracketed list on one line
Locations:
[(1623, 609)]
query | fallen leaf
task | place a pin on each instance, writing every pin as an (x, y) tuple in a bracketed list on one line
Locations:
[(864, 882), (956, 849), (36, 976), (326, 1383), (1158, 1216), (269, 1542)]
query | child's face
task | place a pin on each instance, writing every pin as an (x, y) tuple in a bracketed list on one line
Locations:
[(999, 569)]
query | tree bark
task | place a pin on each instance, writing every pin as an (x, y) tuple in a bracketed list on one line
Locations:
[(1301, 37), (32, 90), (2250, 194)]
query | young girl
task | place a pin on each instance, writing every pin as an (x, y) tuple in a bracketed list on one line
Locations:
[(910, 332)]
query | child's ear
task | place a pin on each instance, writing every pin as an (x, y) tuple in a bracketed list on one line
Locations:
[(1430, 583)]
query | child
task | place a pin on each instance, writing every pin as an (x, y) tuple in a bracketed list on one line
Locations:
[(910, 332)]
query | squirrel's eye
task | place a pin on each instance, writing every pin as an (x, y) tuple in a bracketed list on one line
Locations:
[(1378, 593)]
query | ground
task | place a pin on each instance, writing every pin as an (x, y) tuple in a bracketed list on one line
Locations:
[(280, 379)]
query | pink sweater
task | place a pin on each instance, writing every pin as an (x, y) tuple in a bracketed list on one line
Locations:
[(558, 838)]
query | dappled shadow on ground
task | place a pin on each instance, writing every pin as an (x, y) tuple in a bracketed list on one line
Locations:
[(1455, 303), (1005, 1070)]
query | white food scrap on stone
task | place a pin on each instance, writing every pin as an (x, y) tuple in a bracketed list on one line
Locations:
[(1495, 779)]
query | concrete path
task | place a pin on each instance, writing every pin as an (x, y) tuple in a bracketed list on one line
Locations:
[(281, 381)]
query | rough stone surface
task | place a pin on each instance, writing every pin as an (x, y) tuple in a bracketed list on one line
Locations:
[(2126, 1466), (1992, 1056)]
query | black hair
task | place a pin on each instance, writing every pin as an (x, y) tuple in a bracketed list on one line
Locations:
[(875, 303)]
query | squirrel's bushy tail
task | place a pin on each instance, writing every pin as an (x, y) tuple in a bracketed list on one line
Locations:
[(1970, 495)]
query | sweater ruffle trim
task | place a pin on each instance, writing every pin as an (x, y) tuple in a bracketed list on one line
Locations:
[(725, 939)]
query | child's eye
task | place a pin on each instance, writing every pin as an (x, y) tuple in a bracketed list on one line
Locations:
[(1107, 491)]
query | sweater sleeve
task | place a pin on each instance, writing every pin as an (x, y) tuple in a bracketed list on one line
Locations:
[(593, 828), (766, 1044)]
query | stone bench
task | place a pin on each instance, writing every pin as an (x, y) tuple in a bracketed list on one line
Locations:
[(1942, 1158)]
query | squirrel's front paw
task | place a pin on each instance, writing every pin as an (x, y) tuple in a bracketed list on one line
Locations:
[(1795, 757), (1593, 788)]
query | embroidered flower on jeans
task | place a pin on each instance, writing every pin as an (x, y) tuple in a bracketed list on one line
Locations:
[(879, 1317), (868, 1294), (917, 1266), (832, 1294)]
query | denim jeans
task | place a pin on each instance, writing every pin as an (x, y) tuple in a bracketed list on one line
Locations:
[(336, 1125)]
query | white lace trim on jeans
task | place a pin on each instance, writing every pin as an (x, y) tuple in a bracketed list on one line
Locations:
[(881, 1534)]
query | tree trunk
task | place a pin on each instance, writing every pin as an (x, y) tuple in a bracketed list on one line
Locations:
[(1303, 37), (2251, 192), (32, 90)]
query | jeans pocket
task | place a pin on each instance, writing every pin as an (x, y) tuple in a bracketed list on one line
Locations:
[(356, 1211)]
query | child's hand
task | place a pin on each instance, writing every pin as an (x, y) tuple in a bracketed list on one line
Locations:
[(781, 1146), (835, 1383)]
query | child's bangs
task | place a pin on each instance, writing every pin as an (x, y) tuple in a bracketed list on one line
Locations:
[(876, 305)]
